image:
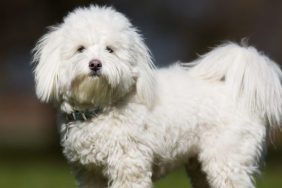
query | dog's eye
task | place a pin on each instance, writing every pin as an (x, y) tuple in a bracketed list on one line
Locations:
[(109, 49), (80, 49)]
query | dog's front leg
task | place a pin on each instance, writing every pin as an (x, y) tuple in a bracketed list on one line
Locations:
[(130, 169), (86, 178)]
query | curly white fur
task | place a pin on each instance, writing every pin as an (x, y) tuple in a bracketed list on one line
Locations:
[(154, 120)]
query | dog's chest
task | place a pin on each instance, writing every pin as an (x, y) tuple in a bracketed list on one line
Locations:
[(85, 142), (92, 142)]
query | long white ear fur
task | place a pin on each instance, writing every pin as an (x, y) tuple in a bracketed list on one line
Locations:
[(47, 60), (145, 86)]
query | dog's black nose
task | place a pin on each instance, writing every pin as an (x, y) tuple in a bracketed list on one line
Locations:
[(95, 65)]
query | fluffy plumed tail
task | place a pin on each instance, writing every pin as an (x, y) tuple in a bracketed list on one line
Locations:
[(252, 78)]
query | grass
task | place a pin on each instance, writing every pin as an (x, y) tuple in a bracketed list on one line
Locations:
[(44, 174), (56, 174)]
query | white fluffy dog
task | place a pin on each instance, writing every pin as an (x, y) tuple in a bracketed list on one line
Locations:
[(126, 123)]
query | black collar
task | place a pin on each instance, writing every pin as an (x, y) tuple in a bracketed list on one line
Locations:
[(81, 115)]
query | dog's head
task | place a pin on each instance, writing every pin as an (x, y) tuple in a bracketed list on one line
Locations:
[(94, 57)]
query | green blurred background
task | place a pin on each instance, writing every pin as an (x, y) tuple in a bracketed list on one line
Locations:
[(30, 155)]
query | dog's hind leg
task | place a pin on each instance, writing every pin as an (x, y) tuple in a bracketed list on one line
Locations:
[(224, 174), (197, 177), (230, 156)]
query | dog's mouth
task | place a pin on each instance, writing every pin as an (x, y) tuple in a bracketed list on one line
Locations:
[(95, 74)]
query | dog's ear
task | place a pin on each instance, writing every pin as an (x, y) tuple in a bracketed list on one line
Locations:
[(47, 60), (145, 85)]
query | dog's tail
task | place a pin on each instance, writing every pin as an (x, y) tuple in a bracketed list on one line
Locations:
[(252, 78)]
